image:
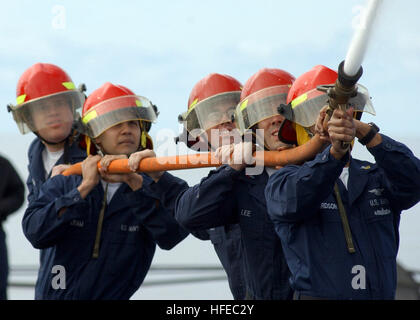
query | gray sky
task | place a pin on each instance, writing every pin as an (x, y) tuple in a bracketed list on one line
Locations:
[(160, 49)]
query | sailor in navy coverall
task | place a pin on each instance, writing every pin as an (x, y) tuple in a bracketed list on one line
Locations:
[(134, 222), (37, 175), (104, 227), (47, 100), (229, 196), (306, 215), (211, 102)]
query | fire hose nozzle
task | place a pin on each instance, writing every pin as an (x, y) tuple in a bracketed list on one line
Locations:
[(340, 92), (348, 81)]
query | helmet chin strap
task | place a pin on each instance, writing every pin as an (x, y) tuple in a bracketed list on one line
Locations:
[(66, 141), (98, 148), (50, 142), (256, 140), (211, 148)]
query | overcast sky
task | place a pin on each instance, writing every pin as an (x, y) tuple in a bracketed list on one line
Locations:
[(160, 49)]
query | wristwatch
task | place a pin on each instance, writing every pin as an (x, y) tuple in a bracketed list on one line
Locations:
[(370, 135)]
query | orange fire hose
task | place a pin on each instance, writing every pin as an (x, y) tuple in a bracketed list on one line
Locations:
[(296, 155)]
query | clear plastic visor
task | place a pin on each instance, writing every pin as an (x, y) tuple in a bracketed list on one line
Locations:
[(117, 110), (260, 106), (210, 112), (306, 107), (51, 111)]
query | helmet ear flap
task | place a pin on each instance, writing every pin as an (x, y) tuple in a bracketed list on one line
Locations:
[(287, 133), (302, 134)]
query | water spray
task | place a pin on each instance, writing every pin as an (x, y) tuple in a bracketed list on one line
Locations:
[(350, 70)]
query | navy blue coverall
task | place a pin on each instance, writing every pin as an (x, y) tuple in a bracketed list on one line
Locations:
[(134, 222), (303, 207), (227, 197), (227, 243), (35, 180)]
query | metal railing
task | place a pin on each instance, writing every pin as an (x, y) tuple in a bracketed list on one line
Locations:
[(173, 276), (154, 269)]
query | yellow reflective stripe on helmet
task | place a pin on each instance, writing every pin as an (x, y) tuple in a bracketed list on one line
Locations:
[(243, 105), (89, 116), (191, 107), (138, 103), (21, 99), (299, 100), (69, 85)]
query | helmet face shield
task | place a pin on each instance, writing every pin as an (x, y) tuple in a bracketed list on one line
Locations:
[(306, 108), (259, 106), (210, 112), (117, 110), (52, 112)]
